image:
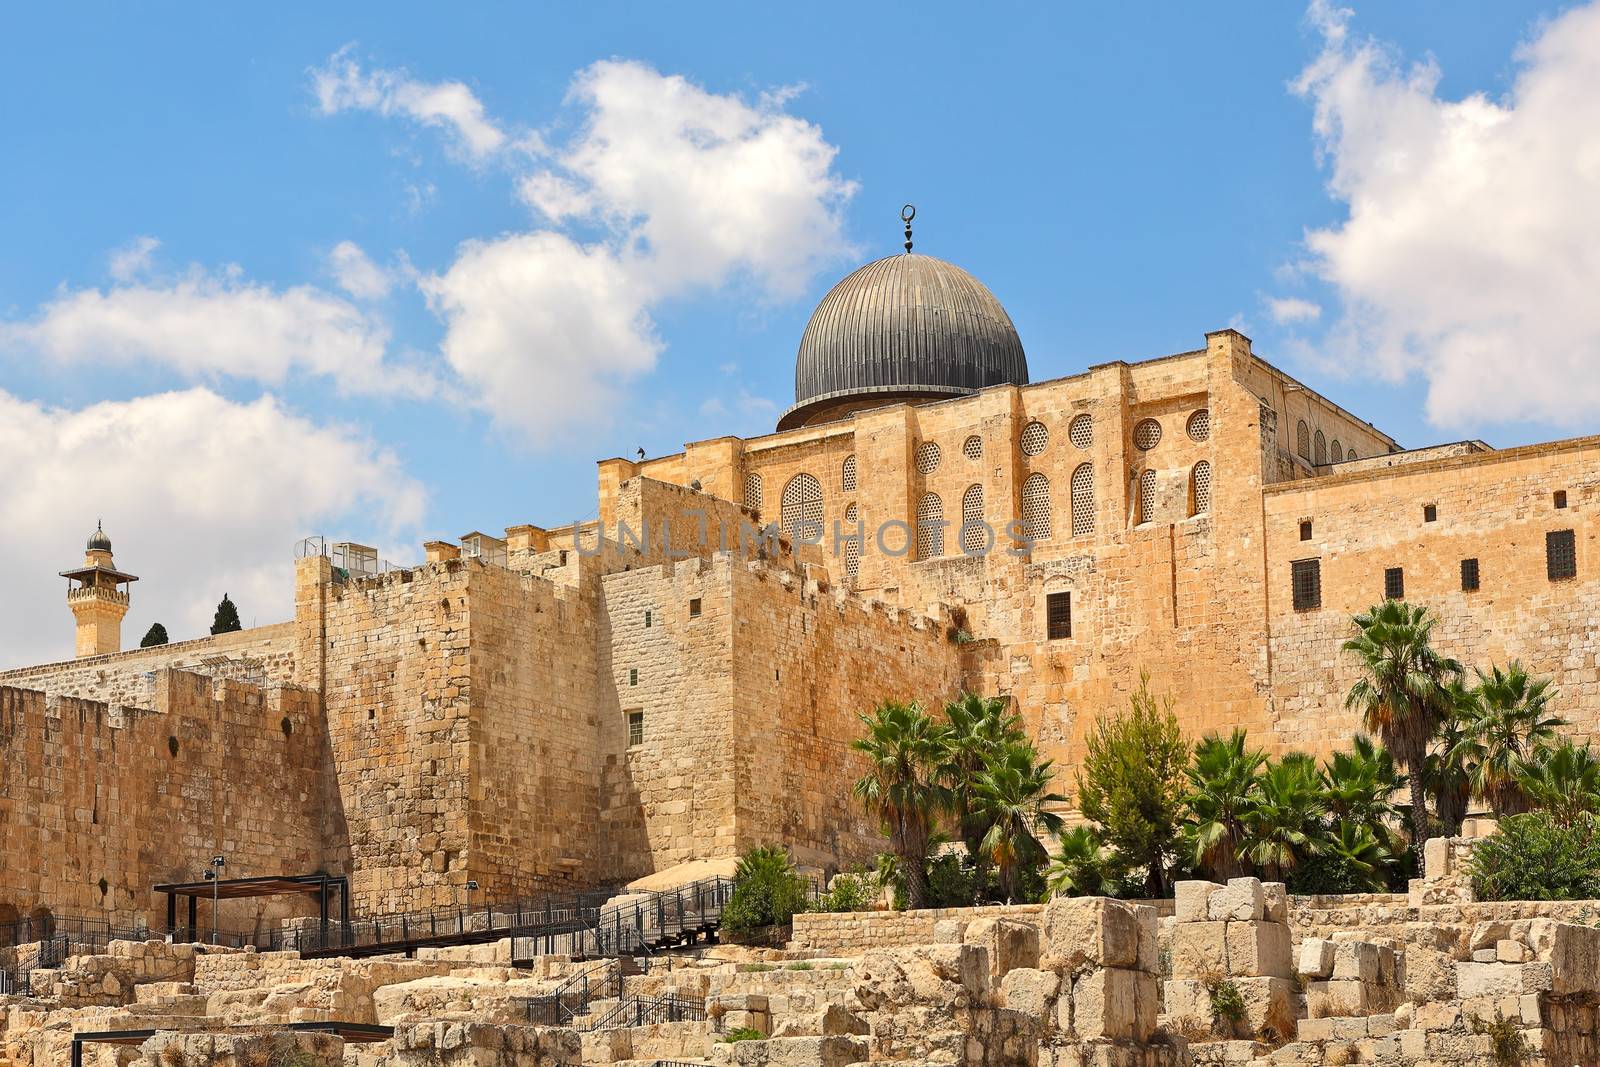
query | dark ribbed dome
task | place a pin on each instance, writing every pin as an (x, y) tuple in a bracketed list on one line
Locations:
[(98, 541), (908, 327)]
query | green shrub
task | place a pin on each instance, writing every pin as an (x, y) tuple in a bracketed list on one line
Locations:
[(850, 892), (742, 1033), (1227, 1003), (1533, 857), (767, 891), (1505, 1040)]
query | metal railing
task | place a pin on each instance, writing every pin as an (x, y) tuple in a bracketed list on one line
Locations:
[(571, 999), (669, 1007), (349, 560), (9, 984)]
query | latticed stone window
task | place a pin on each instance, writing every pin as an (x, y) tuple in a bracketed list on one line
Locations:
[(1201, 490), (1147, 496), (1302, 440), (1321, 450), (972, 447), (1058, 616), (852, 559), (752, 492), (635, 728), (1306, 583), (1269, 424), (974, 536), (1394, 583), (633, 676), (1036, 507), (1199, 426), (1350, 454), (1469, 575), (847, 474), (647, 618), (1336, 451), (852, 514), (802, 503), (1034, 438), (1083, 500), (930, 527), (927, 457), (1561, 554), (1146, 435), (1081, 431)]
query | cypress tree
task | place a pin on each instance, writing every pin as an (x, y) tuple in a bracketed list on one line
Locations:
[(226, 620), (156, 635)]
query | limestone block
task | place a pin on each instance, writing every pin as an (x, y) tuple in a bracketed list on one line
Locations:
[(1105, 1004), (1436, 859), (1437, 1015), (1488, 980), (1274, 902), (949, 932), (834, 1051), (1315, 1029), (1345, 997), (1508, 951), (1240, 900), (1356, 960), (1430, 974), (1260, 949), (1575, 958), (1316, 957), (1010, 943), (1190, 900), (1268, 1006), (1149, 921), (1031, 992), (1199, 949), (1097, 931)]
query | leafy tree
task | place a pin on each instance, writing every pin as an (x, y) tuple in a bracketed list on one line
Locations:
[(1012, 795), (1505, 721), (1352, 859), (1132, 781), (156, 635), (855, 891), (905, 747), (1564, 782), (1223, 789), (1084, 867), (1402, 694), (1284, 824), (978, 729), (1534, 857), (1359, 785), (226, 620), (767, 891), (1447, 778)]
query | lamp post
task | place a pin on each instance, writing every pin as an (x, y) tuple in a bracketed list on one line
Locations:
[(214, 876), (472, 883)]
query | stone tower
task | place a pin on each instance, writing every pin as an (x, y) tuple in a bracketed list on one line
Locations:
[(97, 593)]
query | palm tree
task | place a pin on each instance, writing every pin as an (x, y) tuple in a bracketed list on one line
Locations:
[(1503, 725), (1223, 788), (1285, 822), (1564, 781), (1083, 866), (1364, 854), (1446, 772), (1402, 696), (905, 747), (1360, 784), (1012, 795), (979, 728)]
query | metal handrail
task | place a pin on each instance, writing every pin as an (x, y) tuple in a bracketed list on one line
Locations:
[(668, 1007)]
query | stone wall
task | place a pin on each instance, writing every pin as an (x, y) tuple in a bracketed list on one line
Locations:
[(98, 803)]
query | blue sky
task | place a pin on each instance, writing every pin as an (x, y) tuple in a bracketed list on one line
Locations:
[(1124, 180)]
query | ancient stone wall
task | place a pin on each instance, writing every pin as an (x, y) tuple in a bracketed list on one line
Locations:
[(97, 804)]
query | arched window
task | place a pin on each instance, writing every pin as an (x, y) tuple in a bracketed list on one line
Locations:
[(847, 474), (852, 559), (752, 492), (1351, 454), (1302, 440), (802, 503), (930, 527), (1336, 451), (1147, 496), (1200, 489), (1321, 455), (1083, 500), (851, 514), (974, 536), (1081, 431), (1036, 507)]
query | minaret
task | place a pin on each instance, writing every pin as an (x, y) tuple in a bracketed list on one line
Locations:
[(97, 593)]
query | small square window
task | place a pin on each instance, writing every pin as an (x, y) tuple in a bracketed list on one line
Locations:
[(1305, 529), (1469, 575), (1394, 583), (635, 728), (1430, 513), (694, 608), (633, 675), (563, 557), (1306, 581), (1561, 498), (1058, 615), (647, 618), (1561, 554)]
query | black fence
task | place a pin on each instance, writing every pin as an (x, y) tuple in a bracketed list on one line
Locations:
[(649, 1011), (572, 999)]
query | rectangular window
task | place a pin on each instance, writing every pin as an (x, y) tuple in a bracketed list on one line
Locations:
[(1561, 498), (1394, 583), (1469, 575), (1305, 530), (1058, 615), (633, 675), (1430, 513), (1561, 554), (1306, 580), (635, 728), (694, 608), (647, 618)]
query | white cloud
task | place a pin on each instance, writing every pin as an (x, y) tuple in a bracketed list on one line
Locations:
[(212, 325), (132, 259), (356, 274), (342, 85), (691, 190), (1290, 309), (1472, 244), (200, 496)]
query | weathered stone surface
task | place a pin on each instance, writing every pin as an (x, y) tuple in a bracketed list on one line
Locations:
[(1240, 900), (1199, 949), (1031, 992), (1316, 957), (1190, 900), (1097, 931), (1260, 949)]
